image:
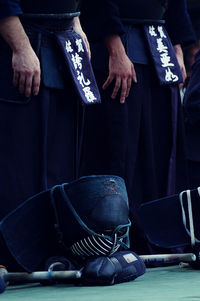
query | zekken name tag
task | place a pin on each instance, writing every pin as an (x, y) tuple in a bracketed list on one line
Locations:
[(79, 65), (163, 55)]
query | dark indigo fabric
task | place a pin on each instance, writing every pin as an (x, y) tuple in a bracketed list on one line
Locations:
[(97, 28), (120, 267), (104, 18), (192, 121), (7, 259), (48, 7), (16, 7), (141, 140), (192, 112), (9, 8), (178, 23), (136, 141), (135, 36), (100, 18), (167, 213), (29, 231), (40, 135), (37, 148), (192, 94), (135, 9)]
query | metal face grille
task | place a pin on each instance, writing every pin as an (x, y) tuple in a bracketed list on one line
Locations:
[(95, 246)]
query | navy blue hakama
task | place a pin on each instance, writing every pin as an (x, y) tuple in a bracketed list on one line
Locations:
[(140, 141), (38, 145)]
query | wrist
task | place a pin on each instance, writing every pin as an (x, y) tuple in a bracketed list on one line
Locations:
[(178, 49), (21, 46), (114, 45), (76, 22), (13, 33)]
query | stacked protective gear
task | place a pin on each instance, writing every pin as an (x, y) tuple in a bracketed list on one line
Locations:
[(56, 221)]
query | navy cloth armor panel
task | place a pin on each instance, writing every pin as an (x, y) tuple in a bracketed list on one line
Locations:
[(192, 122), (192, 111), (168, 222), (17, 7), (120, 267)]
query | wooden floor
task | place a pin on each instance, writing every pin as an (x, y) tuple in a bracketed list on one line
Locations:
[(157, 284)]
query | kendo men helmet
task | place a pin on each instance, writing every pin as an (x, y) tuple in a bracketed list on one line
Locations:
[(92, 215), (87, 217)]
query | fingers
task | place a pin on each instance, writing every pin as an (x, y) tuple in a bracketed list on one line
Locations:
[(183, 70), (26, 71), (116, 88), (27, 82), (123, 82), (184, 74), (129, 82), (87, 45), (124, 90), (36, 83), (134, 77), (22, 80), (108, 81), (16, 78), (126, 85), (89, 52), (117, 85)]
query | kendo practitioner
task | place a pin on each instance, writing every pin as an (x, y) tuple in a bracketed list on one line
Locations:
[(192, 122), (55, 216), (137, 130), (40, 100)]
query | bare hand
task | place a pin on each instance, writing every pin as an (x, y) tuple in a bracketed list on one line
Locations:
[(26, 67), (121, 69), (180, 59)]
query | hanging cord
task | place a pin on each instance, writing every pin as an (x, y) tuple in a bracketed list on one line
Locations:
[(114, 239), (57, 223), (86, 228), (190, 231)]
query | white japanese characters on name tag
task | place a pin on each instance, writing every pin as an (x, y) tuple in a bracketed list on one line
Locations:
[(80, 67), (77, 62), (163, 54)]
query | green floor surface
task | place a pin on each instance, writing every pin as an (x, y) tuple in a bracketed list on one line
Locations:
[(158, 284)]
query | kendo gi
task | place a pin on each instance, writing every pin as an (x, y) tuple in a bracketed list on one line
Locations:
[(192, 121), (39, 134), (141, 140), (40, 137)]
